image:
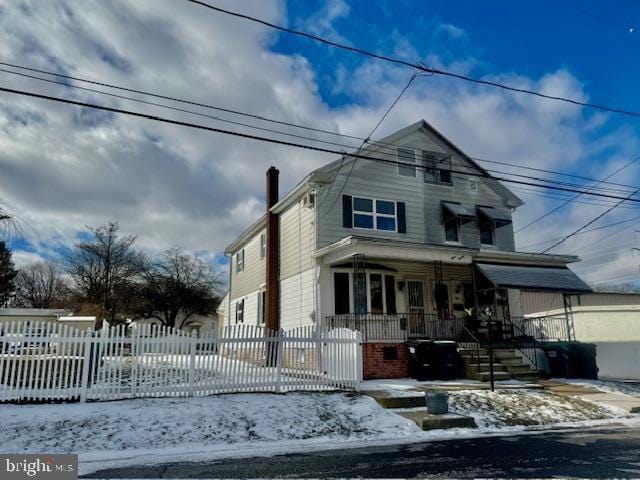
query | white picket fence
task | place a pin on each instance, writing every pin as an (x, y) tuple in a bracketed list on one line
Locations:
[(52, 362)]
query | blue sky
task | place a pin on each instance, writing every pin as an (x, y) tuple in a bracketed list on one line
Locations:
[(524, 37), (64, 169)]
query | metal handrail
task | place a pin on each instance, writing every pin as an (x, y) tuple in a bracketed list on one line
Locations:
[(476, 345), (532, 355)]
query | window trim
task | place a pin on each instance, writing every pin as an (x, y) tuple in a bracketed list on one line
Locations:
[(374, 214), (263, 245), (438, 171), (240, 261), (492, 226), (367, 273), (240, 311), (404, 161)]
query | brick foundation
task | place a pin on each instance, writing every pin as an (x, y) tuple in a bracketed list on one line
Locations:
[(374, 363)]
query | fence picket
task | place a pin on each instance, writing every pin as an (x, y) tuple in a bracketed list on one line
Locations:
[(45, 361)]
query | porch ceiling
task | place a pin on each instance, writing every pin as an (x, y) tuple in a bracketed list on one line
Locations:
[(344, 250)]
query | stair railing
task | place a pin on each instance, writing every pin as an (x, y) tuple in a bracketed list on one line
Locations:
[(528, 349), (475, 345)]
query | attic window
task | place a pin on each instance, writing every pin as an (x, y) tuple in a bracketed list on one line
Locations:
[(406, 156), (437, 168)]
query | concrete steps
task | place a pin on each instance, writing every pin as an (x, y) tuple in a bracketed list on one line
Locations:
[(507, 365)]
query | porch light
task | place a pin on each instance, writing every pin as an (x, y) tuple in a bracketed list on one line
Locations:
[(401, 285)]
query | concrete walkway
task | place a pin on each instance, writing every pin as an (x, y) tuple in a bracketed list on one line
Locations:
[(627, 402)]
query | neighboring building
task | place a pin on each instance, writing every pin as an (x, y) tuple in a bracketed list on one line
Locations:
[(48, 315), (610, 320), (394, 250), (222, 311)]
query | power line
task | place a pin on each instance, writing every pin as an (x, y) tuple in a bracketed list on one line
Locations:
[(418, 66), (555, 209), (364, 142), (392, 147), (277, 132), (297, 145), (587, 231), (598, 217), (592, 15)]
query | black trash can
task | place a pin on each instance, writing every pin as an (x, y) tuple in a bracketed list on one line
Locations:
[(583, 361), (446, 360), (421, 359), (558, 360)]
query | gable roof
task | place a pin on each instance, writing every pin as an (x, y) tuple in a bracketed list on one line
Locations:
[(324, 175), (323, 172)]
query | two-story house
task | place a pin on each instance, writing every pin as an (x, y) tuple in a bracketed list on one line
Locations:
[(403, 246)]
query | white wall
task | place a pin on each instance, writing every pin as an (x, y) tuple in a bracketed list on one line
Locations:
[(297, 295), (615, 329)]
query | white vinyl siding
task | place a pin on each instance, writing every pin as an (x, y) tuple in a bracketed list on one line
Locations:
[(297, 295)]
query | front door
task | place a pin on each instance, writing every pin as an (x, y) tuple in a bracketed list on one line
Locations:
[(415, 306)]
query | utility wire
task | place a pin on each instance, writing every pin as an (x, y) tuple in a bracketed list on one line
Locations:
[(418, 66), (298, 145), (278, 132), (555, 209), (364, 142), (391, 147), (598, 217)]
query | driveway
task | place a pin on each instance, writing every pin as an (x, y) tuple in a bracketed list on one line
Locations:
[(595, 453)]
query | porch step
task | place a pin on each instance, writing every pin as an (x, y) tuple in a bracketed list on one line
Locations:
[(472, 368), (522, 368), (515, 360), (474, 360), (504, 352), (486, 376), (470, 352)]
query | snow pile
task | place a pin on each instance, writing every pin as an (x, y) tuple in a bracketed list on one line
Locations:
[(507, 408), (104, 431)]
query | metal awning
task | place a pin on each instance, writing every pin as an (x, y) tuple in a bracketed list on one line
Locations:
[(465, 214), (551, 279), (499, 218)]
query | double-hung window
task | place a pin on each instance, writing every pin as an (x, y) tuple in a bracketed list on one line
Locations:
[(437, 168), (374, 214), (406, 162), (261, 307), (240, 311), (263, 245), (240, 261), (451, 227)]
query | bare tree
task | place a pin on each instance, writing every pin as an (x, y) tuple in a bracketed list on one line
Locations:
[(41, 285), (7, 275), (104, 270), (177, 286)]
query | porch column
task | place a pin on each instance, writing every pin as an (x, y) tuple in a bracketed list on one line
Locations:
[(568, 316)]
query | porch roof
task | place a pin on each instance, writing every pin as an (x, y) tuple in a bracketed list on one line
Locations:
[(387, 249), (533, 278)]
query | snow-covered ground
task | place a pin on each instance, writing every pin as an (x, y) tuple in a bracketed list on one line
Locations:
[(134, 432)]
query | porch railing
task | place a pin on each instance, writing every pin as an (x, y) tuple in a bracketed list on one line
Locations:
[(542, 328), (403, 326), (399, 327)]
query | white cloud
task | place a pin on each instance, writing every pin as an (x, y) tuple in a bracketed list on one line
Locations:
[(65, 168)]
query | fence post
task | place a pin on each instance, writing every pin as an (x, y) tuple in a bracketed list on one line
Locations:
[(359, 365), (192, 361), (279, 354), (84, 386)]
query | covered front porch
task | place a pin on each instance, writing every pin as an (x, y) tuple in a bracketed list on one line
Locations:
[(396, 292)]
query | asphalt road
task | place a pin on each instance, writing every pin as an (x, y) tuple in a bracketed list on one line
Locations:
[(595, 453)]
